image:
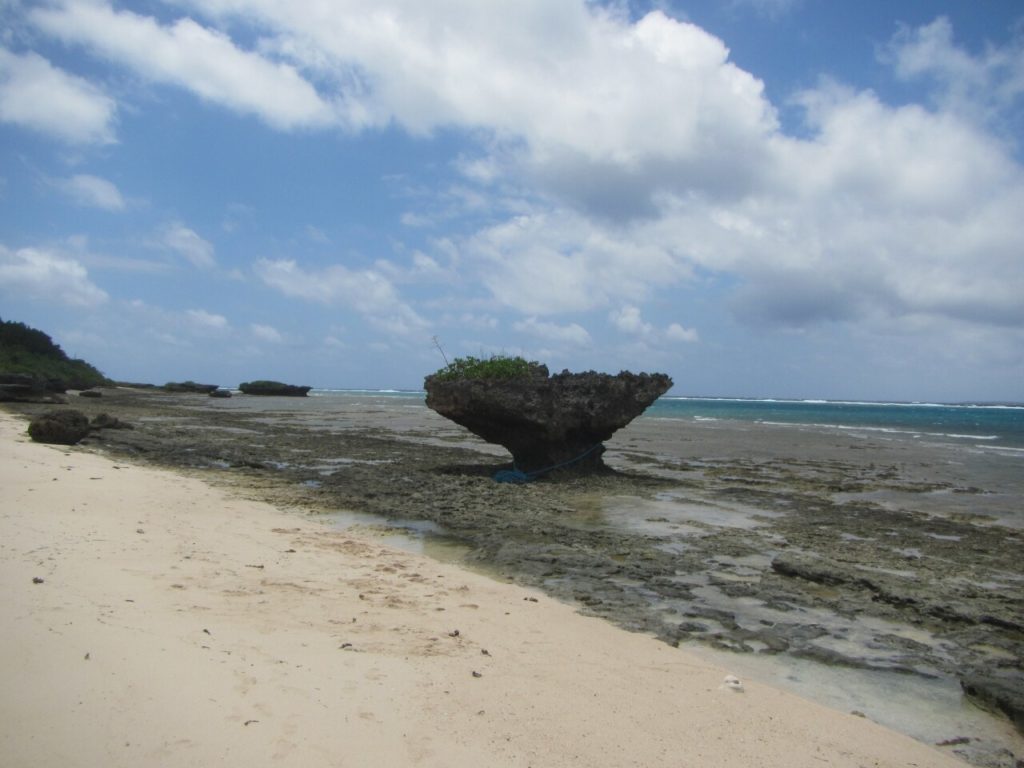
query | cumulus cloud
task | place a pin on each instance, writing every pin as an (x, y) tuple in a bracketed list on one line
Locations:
[(666, 157), (554, 262), (47, 277), (191, 56), (92, 191), (266, 333), (200, 319), (570, 93), (639, 157), (973, 86), (629, 320), (36, 95), (571, 334), (366, 292), (676, 332), (186, 243)]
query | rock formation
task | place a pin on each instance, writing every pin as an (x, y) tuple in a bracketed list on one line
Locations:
[(272, 388), (189, 386), (63, 427), (27, 388), (547, 422)]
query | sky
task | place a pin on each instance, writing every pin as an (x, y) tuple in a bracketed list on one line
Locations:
[(761, 198)]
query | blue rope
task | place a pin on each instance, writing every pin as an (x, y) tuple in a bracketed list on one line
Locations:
[(516, 475)]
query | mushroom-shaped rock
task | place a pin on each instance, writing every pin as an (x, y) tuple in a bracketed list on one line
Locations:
[(546, 422)]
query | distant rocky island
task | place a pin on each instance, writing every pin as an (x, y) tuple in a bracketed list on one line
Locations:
[(264, 387), (190, 386)]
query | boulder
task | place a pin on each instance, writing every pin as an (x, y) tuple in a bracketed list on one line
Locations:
[(547, 422), (63, 427), (263, 387), (221, 393), (26, 388)]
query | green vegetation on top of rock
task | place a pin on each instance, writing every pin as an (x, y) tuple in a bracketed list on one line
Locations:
[(27, 350), (494, 367)]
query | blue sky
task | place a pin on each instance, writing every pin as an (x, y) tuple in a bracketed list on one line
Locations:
[(768, 198)]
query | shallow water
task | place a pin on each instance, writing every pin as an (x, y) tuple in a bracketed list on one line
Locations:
[(420, 537), (930, 710)]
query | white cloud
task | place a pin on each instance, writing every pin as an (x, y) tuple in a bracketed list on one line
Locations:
[(635, 154), (551, 263), (571, 334), (676, 332), (202, 320), (973, 86), (628, 320), (191, 56), (93, 191), (47, 277), (366, 292), (666, 157), (568, 93), (186, 243), (266, 333), (36, 95)]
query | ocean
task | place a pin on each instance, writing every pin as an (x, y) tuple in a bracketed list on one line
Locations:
[(999, 426)]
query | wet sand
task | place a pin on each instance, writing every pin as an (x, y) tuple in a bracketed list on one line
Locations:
[(806, 549)]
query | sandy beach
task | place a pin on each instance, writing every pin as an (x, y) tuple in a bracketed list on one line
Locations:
[(155, 620)]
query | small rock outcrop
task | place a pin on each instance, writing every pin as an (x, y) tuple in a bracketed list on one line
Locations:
[(264, 387), (221, 393), (189, 386), (547, 422), (63, 427), (26, 388)]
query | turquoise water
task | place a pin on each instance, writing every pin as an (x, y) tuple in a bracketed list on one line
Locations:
[(999, 426)]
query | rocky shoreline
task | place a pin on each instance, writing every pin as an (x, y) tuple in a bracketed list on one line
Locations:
[(859, 553)]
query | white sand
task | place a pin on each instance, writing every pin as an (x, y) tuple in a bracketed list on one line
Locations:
[(177, 625)]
